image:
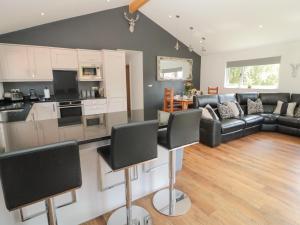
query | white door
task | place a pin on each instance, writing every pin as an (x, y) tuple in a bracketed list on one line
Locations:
[(14, 63), (40, 60), (64, 58)]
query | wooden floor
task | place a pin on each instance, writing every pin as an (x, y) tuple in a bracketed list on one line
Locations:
[(251, 181)]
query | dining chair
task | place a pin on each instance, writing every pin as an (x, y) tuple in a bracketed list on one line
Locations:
[(169, 104), (213, 90)]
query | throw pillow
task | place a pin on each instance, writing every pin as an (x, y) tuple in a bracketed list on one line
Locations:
[(297, 112), (291, 108), (284, 108), (225, 111), (254, 107), (236, 108), (209, 113)]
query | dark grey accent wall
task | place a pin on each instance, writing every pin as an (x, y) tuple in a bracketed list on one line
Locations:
[(109, 30)]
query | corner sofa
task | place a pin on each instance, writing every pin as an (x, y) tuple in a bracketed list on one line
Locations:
[(215, 132)]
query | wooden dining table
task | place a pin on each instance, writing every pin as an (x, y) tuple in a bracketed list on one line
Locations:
[(184, 102)]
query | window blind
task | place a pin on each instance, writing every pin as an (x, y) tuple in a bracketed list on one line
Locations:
[(255, 62)]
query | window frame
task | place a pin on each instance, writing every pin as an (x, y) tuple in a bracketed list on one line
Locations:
[(240, 85)]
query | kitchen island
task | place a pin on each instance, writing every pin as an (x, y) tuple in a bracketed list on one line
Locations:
[(102, 189)]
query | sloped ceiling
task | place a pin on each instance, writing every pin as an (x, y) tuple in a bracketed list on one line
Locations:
[(227, 25)]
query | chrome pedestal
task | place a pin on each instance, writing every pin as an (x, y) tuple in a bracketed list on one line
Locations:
[(172, 202), (51, 214), (129, 215)]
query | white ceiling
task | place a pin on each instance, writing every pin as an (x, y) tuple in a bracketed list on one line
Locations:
[(227, 25)]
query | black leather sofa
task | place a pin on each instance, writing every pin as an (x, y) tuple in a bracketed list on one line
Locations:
[(214, 132)]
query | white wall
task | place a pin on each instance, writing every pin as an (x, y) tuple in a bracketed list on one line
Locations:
[(135, 61), (213, 66)]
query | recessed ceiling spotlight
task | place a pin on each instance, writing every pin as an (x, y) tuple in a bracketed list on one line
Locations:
[(170, 16), (42, 14), (107, 0), (202, 39), (260, 26)]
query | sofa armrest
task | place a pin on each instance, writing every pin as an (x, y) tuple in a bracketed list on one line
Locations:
[(210, 132)]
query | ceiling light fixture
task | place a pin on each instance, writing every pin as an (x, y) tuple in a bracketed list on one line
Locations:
[(42, 14), (177, 46), (261, 26), (107, 0), (170, 16), (190, 46)]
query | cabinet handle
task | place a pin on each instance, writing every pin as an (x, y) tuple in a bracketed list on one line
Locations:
[(53, 108)]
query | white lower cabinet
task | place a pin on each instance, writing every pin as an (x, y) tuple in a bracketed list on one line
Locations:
[(94, 106), (43, 111)]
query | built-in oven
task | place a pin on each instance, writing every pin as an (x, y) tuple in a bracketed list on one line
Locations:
[(70, 113), (90, 72)]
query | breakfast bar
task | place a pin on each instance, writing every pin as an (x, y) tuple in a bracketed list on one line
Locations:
[(102, 189)]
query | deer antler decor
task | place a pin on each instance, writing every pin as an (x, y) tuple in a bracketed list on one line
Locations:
[(131, 21)]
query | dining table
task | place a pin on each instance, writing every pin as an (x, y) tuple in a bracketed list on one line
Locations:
[(183, 101)]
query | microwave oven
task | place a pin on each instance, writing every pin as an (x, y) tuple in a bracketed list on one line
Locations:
[(90, 72)]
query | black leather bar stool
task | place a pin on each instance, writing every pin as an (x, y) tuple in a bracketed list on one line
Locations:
[(131, 144), (182, 131), (37, 174)]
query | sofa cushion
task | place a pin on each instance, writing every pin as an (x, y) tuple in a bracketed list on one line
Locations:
[(203, 100), (289, 121), (254, 107), (252, 120), (227, 98), (295, 98), (225, 111), (242, 98), (231, 125), (269, 118), (269, 100), (297, 112)]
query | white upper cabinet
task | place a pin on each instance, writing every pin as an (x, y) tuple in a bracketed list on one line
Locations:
[(25, 63), (64, 59), (15, 65), (89, 56), (40, 60)]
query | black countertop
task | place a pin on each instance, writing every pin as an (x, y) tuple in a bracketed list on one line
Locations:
[(23, 134)]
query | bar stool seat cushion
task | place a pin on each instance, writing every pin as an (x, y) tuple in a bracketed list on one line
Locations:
[(35, 174), (162, 138)]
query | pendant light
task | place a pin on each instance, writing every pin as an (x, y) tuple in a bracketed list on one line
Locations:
[(177, 46), (190, 46)]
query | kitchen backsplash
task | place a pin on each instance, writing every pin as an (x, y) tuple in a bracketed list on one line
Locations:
[(39, 86)]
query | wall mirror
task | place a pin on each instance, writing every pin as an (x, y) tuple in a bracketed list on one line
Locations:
[(171, 68)]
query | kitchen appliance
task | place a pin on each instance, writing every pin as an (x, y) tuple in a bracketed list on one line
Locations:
[(65, 85), (14, 95), (33, 95), (46, 93), (90, 72), (70, 109)]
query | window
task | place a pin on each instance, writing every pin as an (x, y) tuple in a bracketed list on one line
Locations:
[(257, 73)]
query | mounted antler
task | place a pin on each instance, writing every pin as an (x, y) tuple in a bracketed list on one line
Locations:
[(131, 21)]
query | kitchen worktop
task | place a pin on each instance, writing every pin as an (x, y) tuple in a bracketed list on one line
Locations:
[(85, 129), (18, 111)]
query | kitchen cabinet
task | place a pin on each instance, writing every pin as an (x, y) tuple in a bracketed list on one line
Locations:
[(40, 63), (89, 56), (14, 62), (64, 59), (24, 63), (94, 106), (43, 111), (114, 69)]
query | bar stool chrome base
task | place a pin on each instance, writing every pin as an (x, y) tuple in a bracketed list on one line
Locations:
[(181, 202), (140, 216)]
